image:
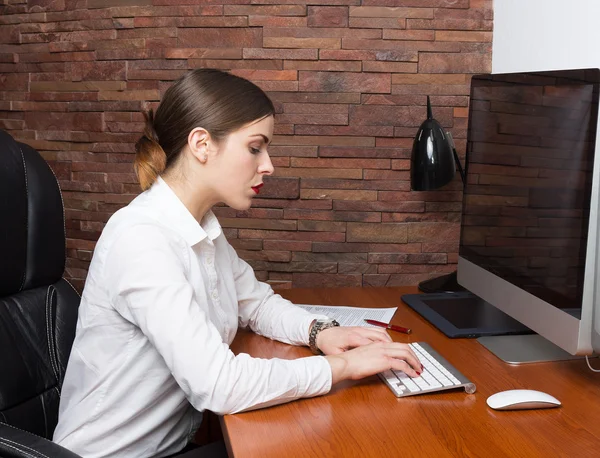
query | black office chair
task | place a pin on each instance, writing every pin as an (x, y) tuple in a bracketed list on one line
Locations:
[(38, 308)]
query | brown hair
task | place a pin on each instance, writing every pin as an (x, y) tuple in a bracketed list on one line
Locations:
[(214, 100)]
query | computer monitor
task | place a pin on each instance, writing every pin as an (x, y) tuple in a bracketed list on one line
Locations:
[(529, 233)]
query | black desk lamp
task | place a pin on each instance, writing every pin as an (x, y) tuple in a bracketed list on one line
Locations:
[(433, 165)]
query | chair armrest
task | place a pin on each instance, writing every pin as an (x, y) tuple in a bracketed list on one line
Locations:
[(16, 443)]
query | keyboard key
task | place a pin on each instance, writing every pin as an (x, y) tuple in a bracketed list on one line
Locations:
[(438, 374)]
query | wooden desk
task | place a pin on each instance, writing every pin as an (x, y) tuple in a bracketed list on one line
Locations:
[(364, 418)]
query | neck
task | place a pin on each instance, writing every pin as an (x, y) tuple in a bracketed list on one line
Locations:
[(196, 200)]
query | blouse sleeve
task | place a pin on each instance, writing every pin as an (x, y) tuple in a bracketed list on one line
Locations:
[(265, 312), (145, 276)]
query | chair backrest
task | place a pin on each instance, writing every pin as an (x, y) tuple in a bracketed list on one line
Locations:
[(38, 308)]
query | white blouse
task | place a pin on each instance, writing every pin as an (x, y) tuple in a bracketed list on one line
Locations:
[(162, 303)]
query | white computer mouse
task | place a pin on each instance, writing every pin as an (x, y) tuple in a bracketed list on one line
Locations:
[(521, 399)]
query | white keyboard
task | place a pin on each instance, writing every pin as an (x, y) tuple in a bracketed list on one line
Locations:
[(438, 374)]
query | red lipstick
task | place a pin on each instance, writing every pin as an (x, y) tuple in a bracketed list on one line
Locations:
[(256, 188)]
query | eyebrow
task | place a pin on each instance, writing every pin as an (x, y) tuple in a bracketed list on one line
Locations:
[(264, 137)]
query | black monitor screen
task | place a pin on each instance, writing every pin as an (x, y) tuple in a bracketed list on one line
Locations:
[(526, 205)]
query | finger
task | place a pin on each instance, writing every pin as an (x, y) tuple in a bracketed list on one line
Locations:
[(358, 340), (375, 334), (401, 365), (403, 352)]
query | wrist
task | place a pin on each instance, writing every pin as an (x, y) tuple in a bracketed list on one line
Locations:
[(338, 366), (315, 330)]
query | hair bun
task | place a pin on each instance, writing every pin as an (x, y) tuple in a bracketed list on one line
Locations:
[(150, 158)]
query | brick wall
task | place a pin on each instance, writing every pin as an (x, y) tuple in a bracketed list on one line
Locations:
[(349, 79)]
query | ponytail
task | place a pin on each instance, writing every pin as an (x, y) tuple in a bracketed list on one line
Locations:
[(150, 158)]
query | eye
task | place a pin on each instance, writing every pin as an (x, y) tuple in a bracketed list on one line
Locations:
[(254, 150)]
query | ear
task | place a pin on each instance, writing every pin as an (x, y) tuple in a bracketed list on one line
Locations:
[(198, 140)]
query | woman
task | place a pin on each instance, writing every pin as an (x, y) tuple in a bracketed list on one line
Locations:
[(165, 292)]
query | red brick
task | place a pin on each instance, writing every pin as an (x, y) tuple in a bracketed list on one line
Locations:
[(327, 16), (10, 34), (320, 32), (267, 75), (39, 106), (377, 131), (9, 57), (260, 53), (317, 97), (390, 67), (416, 35), (377, 23), (344, 82), (323, 140), (420, 3), (423, 46), (58, 57), (455, 63), (290, 42), (14, 82), (203, 53), (341, 163), (204, 21), (462, 35), (386, 115), (324, 65), (107, 3), (449, 24), (61, 121), (341, 119), (265, 10), (391, 55), (277, 21), (386, 11), (219, 38), (98, 71)]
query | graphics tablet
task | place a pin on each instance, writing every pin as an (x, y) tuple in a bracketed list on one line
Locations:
[(463, 314)]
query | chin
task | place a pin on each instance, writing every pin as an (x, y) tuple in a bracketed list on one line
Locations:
[(241, 206)]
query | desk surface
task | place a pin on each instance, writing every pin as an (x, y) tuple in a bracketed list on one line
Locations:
[(363, 418)]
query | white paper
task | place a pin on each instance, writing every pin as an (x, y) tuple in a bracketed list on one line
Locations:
[(352, 316)]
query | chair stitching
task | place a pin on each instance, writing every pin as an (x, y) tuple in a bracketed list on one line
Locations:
[(5, 442), (71, 285), (53, 311), (50, 347), (27, 215), (22, 430), (79, 296), (32, 450)]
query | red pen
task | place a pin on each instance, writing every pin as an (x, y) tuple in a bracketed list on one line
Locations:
[(393, 327)]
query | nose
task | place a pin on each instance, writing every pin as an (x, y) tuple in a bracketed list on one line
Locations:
[(266, 166)]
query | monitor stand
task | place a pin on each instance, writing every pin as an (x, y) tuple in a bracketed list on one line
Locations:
[(520, 349)]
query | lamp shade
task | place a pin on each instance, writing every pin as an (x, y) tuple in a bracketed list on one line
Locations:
[(432, 161)]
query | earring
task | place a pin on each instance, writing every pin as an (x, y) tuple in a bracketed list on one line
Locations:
[(204, 158)]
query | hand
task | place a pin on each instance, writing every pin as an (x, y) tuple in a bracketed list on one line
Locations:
[(332, 341), (373, 358)]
